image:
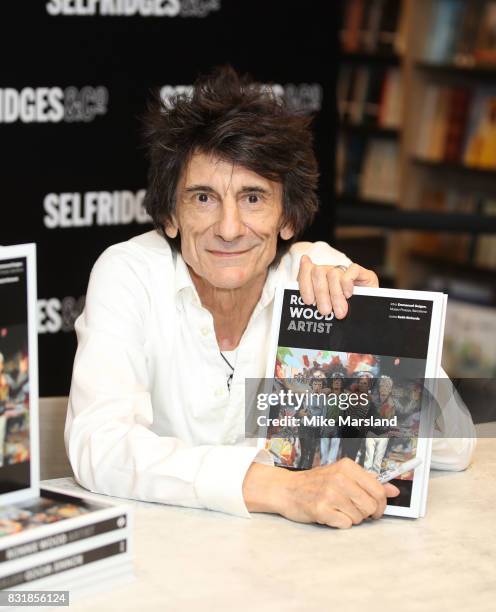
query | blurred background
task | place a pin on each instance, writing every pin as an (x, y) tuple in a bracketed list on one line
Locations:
[(403, 93)]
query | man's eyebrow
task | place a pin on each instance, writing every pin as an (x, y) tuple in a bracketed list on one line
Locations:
[(206, 188), (254, 189), (244, 189)]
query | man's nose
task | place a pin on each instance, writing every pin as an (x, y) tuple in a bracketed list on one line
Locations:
[(230, 223)]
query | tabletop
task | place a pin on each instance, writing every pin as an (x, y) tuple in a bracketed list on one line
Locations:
[(202, 560)]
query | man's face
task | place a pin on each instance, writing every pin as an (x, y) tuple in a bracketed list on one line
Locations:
[(363, 384), (317, 385), (229, 219)]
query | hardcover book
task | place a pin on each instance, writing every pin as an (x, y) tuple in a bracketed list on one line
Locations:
[(361, 387)]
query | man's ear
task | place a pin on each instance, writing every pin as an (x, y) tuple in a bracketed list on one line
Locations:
[(286, 232), (171, 228)]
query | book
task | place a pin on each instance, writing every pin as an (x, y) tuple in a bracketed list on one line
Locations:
[(65, 541), (372, 373), (458, 108), (380, 175), (350, 34), (480, 142), (55, 520), (467, 35), (441, 39), (19, 452), (485, 44)]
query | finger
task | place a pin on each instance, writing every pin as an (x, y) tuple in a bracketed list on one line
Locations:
[(342, 502), (368, 482), (361, 276), (338, 299), (365, 503), (335, 518), (305, 280), (321, 290)]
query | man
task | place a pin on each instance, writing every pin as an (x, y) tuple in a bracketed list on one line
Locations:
[(377, 440), (331, 440), (315, 407), (231, 185)]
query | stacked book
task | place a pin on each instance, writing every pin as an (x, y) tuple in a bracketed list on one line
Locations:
[(65, 543)]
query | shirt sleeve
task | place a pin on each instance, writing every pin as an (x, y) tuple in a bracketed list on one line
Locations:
[(108, 435), (454, 444)]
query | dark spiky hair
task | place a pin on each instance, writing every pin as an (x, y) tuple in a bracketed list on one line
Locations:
[(238, 121)]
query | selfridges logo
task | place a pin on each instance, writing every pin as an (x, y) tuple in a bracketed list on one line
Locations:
[(131, 8), (52, 104), (65, 210), (56, 315), (301, 97)]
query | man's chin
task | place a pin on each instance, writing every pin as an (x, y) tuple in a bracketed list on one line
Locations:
[(234, 278)]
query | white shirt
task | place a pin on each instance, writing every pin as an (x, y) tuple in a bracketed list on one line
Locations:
[(150, 416)]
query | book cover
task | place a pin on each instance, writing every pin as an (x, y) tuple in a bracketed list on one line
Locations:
[(369, 372)]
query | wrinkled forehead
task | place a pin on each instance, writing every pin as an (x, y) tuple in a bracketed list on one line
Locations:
[(210, 170)]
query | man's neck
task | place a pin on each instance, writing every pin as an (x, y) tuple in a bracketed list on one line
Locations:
[(231, 309)]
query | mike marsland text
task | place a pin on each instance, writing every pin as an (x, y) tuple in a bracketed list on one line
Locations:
[(321, 421)]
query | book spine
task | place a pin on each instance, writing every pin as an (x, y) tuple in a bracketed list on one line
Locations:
[(64, 564), (456, 124), (56, 540)]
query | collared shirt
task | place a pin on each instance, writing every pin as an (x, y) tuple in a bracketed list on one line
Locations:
[(150, 416)]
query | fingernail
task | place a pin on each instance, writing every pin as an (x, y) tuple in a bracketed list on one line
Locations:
[(339, 311)]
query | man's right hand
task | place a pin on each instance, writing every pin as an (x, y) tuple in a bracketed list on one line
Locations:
[(339, 495)]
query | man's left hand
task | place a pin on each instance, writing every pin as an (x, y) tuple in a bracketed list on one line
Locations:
[(329, 286)]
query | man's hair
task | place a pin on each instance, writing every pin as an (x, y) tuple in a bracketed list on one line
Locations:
[(240, 122)]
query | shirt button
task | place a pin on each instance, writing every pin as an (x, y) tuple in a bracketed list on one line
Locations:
[(205, 331)]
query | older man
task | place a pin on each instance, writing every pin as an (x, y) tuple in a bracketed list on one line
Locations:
[(173, 314)]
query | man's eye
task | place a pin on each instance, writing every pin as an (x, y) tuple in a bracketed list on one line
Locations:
[(203, 198), (253, 199)]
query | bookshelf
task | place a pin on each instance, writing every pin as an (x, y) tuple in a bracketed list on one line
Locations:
[(435, 52), (439, 233)]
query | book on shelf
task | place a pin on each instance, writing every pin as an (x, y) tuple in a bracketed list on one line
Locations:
[(371, 26), (367, 168), (380, 178), (480, 140), (461, 33), (371, 96), (458, 125), (357, 385), (440, 42)]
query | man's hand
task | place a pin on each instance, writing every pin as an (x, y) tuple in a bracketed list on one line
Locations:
[(339, 495), (329, 286)]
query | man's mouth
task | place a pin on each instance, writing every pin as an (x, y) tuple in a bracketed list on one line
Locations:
[(227, 254)]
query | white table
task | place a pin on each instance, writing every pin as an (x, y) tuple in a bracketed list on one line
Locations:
[(189, 559)]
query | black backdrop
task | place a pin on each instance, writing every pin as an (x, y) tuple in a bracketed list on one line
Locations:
[(74, 81)]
